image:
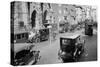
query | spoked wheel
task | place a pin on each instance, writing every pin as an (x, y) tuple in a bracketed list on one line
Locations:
[(37, 40)]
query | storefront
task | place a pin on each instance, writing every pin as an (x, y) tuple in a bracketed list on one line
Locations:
[(19, 37)]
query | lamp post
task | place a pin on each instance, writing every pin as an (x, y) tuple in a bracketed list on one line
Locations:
[(50, 33)]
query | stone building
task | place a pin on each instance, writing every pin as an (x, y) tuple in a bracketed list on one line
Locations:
[(39, 13), (19, 21), (27, 16), (35, 15)]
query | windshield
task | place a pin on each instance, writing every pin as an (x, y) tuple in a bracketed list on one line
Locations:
[(65, 42)]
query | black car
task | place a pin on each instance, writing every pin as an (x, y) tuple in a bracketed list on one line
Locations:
[(25, 55), (71, 47)]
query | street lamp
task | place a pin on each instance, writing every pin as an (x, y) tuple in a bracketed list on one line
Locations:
[(49, 32)]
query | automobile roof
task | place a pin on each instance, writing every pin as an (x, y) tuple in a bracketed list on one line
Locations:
[(20, 46), (70, 36)]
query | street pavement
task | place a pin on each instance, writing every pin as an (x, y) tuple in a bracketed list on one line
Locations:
[(90, 53), (49, 51)]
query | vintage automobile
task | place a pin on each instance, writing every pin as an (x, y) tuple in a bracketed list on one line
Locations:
[(25, 55), (34, 37), (88, 29), (39, 36), (71, 47), (63, 27), (44, 34)]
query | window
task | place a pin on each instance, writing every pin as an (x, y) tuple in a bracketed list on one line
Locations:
[(33, 18), (66, 42), (23, 35), (18, 36), (21, 24)]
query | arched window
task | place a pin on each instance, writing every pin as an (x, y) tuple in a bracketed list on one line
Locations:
[(45, 14), (21, 24), (33, 18)]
